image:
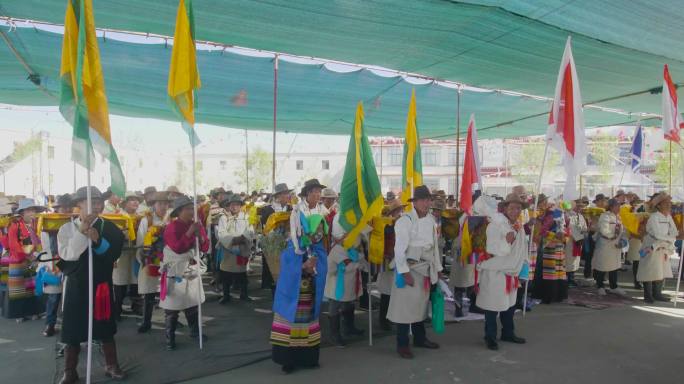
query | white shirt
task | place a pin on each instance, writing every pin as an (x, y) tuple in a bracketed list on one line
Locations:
[(70, 241), (231, 226), (414, 231), (295, 225)]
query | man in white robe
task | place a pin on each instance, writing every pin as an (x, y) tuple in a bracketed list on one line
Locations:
[(235, 236), (499, 275), (417, 261)]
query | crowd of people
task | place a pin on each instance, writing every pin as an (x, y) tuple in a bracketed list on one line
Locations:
[(154, 247)]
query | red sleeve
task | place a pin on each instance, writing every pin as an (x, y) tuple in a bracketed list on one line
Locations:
[(204, 240), (175, 238), (16, 249)]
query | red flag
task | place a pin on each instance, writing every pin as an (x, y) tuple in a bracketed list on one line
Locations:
[(566, 123), (472, 179), (672, 120)]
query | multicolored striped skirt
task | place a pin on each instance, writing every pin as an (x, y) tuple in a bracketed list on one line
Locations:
[(553, 263), (305, 331)]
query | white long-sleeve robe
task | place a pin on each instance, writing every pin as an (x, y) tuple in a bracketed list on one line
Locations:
[(230, 227), (658, 245), (507, 260)]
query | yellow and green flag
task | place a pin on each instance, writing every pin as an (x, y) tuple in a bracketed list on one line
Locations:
[(412, 166), (360, 194), (83, 101), (184, 78)]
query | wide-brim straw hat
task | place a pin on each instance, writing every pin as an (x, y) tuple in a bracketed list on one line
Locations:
[(329, 193), (515, 198), (160, 196), (395, 205), (29, 203), (661, 197)]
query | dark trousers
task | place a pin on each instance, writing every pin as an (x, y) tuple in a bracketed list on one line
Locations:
[(120, 292), (234, 279), (51, 307), (418, 330), (266, 276), (612, 279), (588, 253), (507, 327), (635, 269)]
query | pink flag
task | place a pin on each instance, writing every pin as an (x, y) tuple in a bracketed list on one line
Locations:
[(472, 179), (672, 120), (566, 124)]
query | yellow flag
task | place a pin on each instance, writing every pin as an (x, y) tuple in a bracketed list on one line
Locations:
[(183, 74), (412, 169)]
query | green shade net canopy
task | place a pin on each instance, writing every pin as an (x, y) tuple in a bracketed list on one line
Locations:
[(619, 48)]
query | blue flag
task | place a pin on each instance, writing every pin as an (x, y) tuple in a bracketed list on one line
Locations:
[(637, 149)]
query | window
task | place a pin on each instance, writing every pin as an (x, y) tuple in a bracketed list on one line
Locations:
[(51, 152), (222, 164), (394, 183), (451, 158), (451, 188), (429, 156), (325, 165), (300, 165), (377, 155), (395, 154)]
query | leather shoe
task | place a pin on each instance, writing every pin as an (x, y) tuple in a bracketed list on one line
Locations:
[(427, 344), (513, 339), (405, 352), (492, 345)]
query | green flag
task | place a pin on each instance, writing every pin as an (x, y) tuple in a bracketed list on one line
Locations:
[(360, 194), (83, 101)]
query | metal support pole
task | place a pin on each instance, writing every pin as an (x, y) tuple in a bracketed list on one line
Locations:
[(275, 120), (247, 161), (458, 142), (534, 211)]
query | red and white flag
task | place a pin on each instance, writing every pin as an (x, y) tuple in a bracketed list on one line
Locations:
[(566, 124), (672, 120), (472, 179)]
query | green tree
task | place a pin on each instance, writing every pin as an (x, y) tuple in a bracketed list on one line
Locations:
[(259, 165), (662, 168), (603, 150), (526, 166)]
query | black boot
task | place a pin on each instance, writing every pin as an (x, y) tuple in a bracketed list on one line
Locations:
[(147, 307), (335, 334), (658, 292), (70, 363), (385, 324), (349, 327), (635, 270), (473, 303), (170, 321), (244, 283), (192, 315), (648, 292), (458, 303), (226, 291)]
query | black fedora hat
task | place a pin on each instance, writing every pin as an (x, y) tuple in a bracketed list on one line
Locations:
[(281, 188), (231, 199), (179, 204), (421, 192), (63, 201), (310, 184)]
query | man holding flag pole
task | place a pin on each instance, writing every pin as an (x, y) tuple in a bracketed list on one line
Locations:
[(183, 81), (88, 239), (672, 123), (361, 200)]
